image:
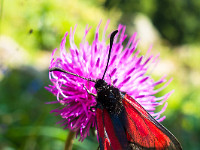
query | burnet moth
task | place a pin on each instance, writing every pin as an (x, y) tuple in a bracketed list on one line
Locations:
[(122, 123)]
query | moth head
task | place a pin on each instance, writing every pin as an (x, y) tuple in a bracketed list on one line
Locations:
[(100, 83)]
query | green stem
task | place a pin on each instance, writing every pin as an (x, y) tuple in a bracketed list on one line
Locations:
[(69, 141)]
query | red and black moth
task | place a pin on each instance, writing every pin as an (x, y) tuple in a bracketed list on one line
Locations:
[(122, 123)]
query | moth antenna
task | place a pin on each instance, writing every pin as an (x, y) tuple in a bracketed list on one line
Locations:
[(111, 44), (62, 70)]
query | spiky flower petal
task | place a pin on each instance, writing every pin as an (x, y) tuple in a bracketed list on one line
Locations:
[(127, 70)]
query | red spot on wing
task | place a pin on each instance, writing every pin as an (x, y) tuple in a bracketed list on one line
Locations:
[(103, 139), (107, 145), (115, 144), (136, 105), (100, 126), (140, 128)]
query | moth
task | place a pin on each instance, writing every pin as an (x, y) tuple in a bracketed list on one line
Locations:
[(122, 123)]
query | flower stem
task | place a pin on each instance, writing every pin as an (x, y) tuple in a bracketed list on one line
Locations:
[(69, 140)]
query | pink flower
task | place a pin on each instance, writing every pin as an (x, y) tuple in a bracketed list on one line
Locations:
[(126, 68)]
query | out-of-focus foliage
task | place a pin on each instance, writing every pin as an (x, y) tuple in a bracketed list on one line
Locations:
[(182, 113), (177, 20), (38, 28), (43, 23)]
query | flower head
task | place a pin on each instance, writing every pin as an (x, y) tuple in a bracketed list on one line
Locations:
[(126, 69)]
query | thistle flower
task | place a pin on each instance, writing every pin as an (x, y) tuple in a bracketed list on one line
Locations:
[(126, 69)]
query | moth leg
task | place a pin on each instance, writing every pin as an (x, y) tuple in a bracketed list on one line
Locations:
[(91, 108), (90, 93)]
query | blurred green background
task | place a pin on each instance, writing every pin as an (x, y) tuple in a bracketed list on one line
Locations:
[(31, 29)]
